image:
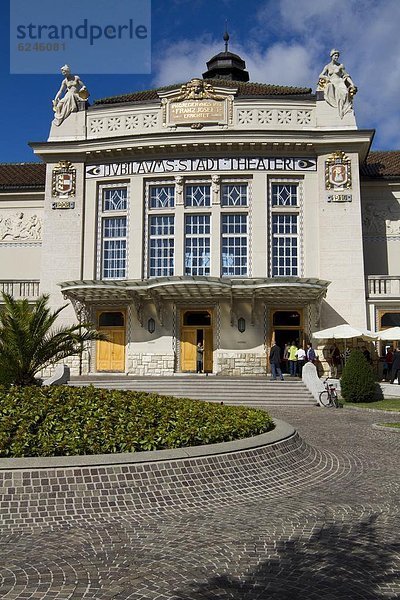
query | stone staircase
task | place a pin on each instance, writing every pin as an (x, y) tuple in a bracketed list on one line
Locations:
[(252, 391)]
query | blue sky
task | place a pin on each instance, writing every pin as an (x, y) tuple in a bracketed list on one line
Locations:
[(283, 42)]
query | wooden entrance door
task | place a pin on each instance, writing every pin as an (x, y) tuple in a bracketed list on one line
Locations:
[(196, 326), (110, 354), (189, 340), (188, 349)]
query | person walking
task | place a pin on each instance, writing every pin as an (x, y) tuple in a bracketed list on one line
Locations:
[(301, 359), (199, 357), (396, 366), (292, 359), (387, 365), (275, 362), (335, 361), (311, 356)]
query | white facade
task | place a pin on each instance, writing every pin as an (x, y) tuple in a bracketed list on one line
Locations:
[(213, 218)]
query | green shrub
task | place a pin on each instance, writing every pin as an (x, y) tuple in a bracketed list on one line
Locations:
[(59, 421), (358, 381)]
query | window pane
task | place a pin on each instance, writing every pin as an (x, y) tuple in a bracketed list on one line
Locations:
[(162, 196), (198, 195), (234, 195), (284, 194), (197, 245), (115, 199), (284, 245), (161, 251), (114, 247), (234, 245)]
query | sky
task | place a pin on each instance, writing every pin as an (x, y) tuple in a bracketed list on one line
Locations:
[(284, 42)]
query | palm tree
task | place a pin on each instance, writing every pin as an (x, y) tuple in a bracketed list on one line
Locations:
[(29, 341)]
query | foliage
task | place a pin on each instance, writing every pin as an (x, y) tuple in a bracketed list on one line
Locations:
[(358, 382), (56, 421), (29, 340)]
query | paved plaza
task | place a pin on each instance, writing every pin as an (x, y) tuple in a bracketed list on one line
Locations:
[(328, 529)]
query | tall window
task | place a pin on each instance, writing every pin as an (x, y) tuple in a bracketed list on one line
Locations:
[(234, 245), (161, 263), (285, 243), (197, 244), (114, 247), (114, 204)]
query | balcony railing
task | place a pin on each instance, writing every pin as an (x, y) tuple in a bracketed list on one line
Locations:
[(20, 289), (383, 286)]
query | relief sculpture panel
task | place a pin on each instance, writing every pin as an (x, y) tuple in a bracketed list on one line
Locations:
[(19, 227)]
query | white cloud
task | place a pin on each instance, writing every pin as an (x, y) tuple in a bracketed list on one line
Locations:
[(290, 43)]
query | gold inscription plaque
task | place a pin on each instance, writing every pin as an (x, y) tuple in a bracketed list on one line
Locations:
[(197, 111)]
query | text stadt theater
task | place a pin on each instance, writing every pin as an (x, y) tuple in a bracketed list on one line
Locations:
[(218, 210)]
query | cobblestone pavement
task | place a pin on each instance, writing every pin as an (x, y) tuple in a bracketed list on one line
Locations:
[(335, 537)]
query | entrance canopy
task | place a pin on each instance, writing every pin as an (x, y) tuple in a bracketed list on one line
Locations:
[(285, 290)]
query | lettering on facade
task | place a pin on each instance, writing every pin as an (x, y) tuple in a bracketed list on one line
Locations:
[(339, 198), (63, 204), (63, 180), (196, 165), (338, 172), (197, 111), (196, 103)]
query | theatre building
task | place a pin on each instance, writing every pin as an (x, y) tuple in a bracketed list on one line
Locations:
[(217, 211)]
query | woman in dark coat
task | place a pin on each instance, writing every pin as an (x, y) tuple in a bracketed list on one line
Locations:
[(396, 366)]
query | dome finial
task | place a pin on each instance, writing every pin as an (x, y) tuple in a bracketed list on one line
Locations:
[(226, 36)]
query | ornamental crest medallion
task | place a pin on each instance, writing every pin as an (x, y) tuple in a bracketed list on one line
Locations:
[(338, 172), (63, 180)]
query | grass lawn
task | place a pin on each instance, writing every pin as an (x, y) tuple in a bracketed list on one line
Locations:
[(392, 404), (394, 425)]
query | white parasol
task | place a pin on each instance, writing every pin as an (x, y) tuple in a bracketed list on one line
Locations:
[(391, 334), (344, 332)]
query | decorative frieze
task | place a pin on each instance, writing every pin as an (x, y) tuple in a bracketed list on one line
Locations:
[(196, 113), (19, 227), (274, 118), (122, 124), (383, 221)]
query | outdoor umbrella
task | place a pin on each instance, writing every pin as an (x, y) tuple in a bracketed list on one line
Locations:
[(344, 332), (391, 334)]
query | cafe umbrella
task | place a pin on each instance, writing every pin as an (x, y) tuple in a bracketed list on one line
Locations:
[(344, 332), (392, 334)]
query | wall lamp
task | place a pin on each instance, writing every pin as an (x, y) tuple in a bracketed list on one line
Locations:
[(241, 325), (151, 325)]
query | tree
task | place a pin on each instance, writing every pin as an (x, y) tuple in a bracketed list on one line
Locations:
[(30, 341), (358, 383)]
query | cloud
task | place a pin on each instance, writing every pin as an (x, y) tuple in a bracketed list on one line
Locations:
[(183, 60), (289, 44)]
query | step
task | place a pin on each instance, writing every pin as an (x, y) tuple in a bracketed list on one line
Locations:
[(236, 391)]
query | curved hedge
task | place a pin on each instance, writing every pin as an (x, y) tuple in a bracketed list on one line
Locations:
[(63, 421)]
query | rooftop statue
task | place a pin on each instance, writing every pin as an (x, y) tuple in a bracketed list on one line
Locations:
[(337, 85), (74, 91)]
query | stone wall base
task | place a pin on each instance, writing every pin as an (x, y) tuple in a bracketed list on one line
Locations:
[(241, 363), (151, 365)]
